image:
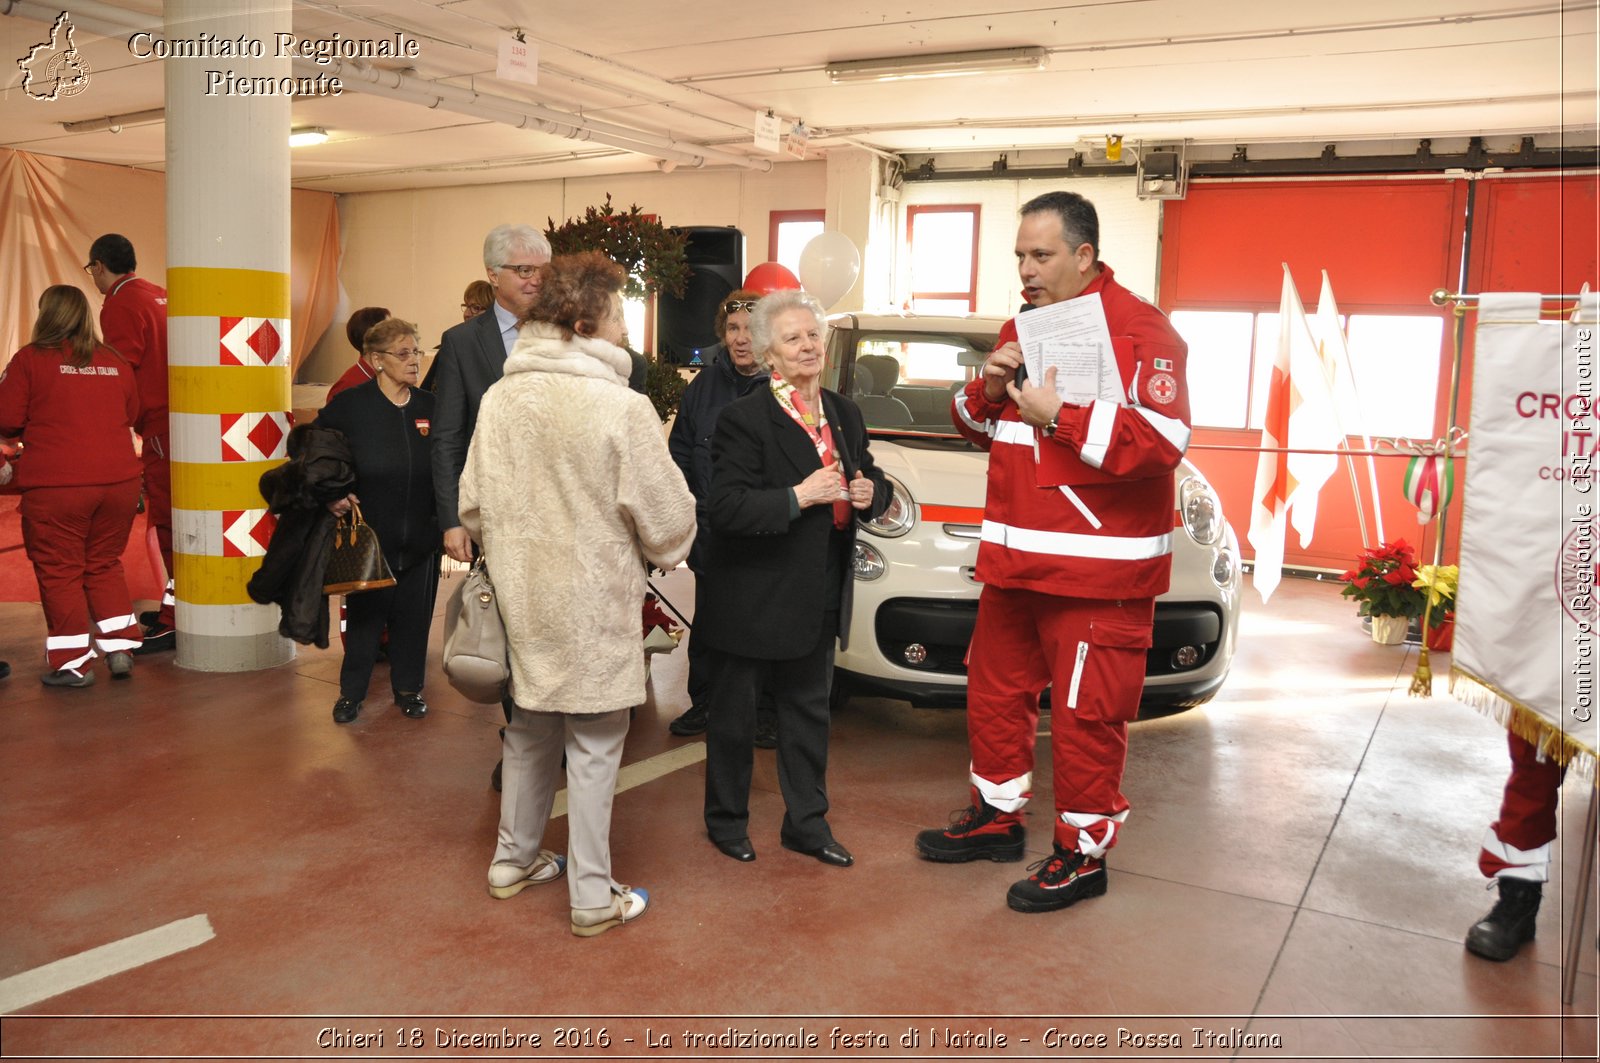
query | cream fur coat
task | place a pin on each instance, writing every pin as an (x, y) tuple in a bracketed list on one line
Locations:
[(569, 488)]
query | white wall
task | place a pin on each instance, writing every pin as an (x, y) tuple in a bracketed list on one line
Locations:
[(415, 251), (1129, 232)]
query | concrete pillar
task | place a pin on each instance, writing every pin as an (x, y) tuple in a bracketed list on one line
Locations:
[(852, 209), (228, 329)]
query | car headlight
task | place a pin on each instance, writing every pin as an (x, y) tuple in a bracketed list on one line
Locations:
[(899, 518), (1202, 513), (867, 563), (1222, 569)]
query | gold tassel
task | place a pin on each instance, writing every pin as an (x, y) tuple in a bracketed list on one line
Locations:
[(1422, 678)]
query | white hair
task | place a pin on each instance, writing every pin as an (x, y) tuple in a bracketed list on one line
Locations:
[(768, 309), (505, 240)]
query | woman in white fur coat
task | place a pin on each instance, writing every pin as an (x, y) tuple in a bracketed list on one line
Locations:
[(570, 489)]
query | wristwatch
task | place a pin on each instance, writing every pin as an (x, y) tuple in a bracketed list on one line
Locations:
[(1050, 429)]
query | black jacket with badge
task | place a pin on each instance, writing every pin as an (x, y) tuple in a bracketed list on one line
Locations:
[(320, 469), (772, 575), (392, 449)]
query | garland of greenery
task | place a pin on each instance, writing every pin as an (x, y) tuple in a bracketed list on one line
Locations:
[(655, 256)]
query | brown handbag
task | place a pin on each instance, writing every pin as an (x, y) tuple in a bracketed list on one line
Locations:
[(356, 563)]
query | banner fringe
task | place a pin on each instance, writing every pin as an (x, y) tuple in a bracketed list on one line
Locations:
[(1528, 725)]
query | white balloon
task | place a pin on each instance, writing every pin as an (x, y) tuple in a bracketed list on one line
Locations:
[(829, 266)]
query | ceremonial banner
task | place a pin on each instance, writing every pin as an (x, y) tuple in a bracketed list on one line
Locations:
[(1525, 639)]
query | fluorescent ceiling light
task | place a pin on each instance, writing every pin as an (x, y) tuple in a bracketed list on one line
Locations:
[(306, 135), (938, 65)]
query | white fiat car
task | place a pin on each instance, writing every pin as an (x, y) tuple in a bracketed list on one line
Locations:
[(916, 598)]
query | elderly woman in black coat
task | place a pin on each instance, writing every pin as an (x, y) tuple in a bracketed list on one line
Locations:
[(791, 471)]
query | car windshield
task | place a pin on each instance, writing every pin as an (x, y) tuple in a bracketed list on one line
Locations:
[(904, 380)]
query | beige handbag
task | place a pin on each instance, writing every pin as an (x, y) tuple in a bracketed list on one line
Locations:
[(476, 654)]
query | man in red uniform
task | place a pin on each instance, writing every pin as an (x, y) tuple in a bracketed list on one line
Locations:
[(1077, 544), (133, 321)]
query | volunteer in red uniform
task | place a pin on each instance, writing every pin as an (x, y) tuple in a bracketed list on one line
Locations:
[(134, 321), (1516, 852), (1077, 544), (74, 403)]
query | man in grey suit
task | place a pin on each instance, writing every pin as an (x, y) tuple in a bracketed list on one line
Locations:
[(471, 357)]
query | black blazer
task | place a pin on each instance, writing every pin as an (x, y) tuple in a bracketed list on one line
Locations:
[(764, 577), (471, 358)]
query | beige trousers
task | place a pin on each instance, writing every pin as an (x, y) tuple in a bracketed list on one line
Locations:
[(530, 775)]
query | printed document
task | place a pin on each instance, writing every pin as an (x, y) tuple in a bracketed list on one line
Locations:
[(1072, 337)]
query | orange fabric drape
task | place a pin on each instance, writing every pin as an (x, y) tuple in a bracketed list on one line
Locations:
[(51, 210)]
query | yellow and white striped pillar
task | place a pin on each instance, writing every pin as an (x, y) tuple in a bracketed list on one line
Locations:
[(227, 328)]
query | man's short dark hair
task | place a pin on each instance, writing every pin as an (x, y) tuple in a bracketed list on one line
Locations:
[(1079, 222), (114, 252)]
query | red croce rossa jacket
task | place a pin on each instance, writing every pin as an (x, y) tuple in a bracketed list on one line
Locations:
[(1088, 512)]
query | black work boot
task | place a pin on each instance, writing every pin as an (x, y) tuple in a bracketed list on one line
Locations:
[(1509, 924), (979, 832)]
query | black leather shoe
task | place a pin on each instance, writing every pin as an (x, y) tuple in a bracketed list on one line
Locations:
[(833, 854), (345, 710), (738, 848), (412, 705)]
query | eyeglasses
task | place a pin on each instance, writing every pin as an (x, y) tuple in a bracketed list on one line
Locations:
[(522, 271), (733, 306), (409, 354), (89, 269), (474, 308)]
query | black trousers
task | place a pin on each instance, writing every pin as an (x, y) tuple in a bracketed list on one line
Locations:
[(703, 670), (406, 609), (800, 688)]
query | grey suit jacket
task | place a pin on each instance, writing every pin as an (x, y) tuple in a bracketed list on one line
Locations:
[(471, 357)]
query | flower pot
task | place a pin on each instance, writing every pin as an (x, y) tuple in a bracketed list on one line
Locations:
[(1389, 630), (1442, 634)]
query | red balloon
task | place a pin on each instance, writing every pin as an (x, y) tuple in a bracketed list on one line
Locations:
[(770, 277)]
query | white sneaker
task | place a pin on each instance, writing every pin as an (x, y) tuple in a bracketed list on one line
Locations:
[(508, 880), (625, 907)]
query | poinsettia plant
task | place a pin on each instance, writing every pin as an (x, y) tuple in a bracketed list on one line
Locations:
[(1383, 581), (1439, 583)]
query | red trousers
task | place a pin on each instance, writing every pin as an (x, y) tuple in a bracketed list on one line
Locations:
[(75, 537), (158, 512), (1092, 653), (1518, 843)]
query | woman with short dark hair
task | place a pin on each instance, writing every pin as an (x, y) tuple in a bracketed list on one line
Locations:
[(569, 487), (74, 401)]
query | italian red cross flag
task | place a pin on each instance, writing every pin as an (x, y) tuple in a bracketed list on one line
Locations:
[(1300, 415)]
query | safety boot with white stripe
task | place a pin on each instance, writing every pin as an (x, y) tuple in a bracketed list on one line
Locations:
[(979, 832), (1060, 880)]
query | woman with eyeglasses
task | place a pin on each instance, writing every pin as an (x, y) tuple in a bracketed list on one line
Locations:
[(387, 422), (476, 299), (730, 372)]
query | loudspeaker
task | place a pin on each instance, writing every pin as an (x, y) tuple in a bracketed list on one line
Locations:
[(686, 326)]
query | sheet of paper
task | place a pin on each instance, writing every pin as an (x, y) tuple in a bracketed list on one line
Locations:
[(1071, 336)]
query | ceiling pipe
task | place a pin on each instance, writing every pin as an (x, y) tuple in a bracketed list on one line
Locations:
[(540, 116), (116, 123), (398, 86)]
